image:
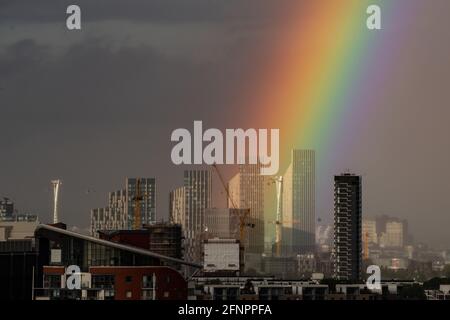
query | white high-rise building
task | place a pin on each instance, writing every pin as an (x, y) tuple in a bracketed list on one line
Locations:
[(112, 217), (298, 209), (177, 202), (187, 207), (120, 212), (246, 190)]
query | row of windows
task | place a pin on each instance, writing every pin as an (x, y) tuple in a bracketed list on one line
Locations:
[(108, 281), (16, 246)]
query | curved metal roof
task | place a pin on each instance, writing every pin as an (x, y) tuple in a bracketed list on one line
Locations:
[(116, 245)]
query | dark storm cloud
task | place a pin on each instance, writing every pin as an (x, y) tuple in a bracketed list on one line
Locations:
[(170, 11), (96, 110), (90, 77), (93, 82), (22, 55)]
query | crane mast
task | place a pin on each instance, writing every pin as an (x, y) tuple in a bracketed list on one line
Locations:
[(243, 214), (366, 246), (279, 186), (137, 206)]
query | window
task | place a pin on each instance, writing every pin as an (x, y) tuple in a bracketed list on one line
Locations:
[(109, 294), (52, 281), (147, 281), (128, 279), (147, 294), (128, 295), (102, 281)]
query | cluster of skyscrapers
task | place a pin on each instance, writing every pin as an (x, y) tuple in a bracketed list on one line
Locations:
[(269, 216), (266, 232), (119, 214)]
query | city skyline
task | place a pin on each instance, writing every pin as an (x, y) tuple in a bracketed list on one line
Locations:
[(218, 200), (228, 157), (202, 244), (135, 76)]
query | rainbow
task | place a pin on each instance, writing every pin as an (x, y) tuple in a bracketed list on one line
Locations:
[(322, 77)]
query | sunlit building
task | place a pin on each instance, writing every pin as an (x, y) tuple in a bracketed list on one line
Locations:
[(187, 208), (246, 191), (298, 219)]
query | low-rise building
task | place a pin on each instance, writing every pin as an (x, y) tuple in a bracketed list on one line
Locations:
[(222, 255), (115, 283), (111, 270), (161, 238), (18, 257), (442, 294)]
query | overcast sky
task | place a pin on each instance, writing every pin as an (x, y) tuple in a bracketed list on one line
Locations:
[(96, 106)]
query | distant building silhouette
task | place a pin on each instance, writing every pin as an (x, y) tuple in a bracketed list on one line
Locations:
[(6, 208)]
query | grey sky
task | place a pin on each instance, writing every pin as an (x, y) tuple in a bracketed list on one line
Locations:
[(96, 106)]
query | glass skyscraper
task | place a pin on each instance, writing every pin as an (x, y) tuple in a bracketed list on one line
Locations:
[(298, 204), (187, 207)]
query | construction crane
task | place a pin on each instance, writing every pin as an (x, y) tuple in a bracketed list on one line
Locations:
[(278, 224), (137, 205), (278, 233), (242, 214), (279, 220), (366, 246)]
